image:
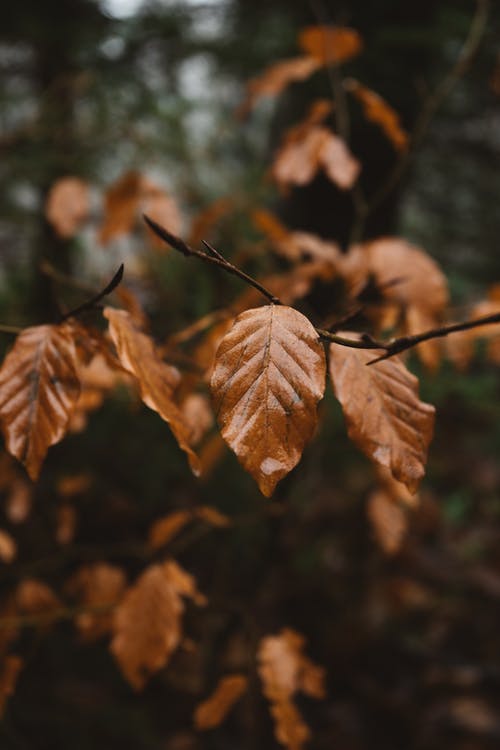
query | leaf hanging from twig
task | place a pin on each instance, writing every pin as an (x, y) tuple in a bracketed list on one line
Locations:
[(268, 377), (156, 378), (39, 388), (384, 415)]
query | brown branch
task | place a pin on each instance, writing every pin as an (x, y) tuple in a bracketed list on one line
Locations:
[(217, 259), (91, 303), (366, 341)]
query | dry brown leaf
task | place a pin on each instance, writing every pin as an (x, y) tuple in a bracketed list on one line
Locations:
[(73, 484), (296, 246), (198, 415), (418, 321), (66, 522), (389, 521), (205, 221), (275, 78), (212, 516), (147, 624), (8, 547), (9, 674), (19, 501), (302, 155), (67, 206), (418, 280), (156, 379), (33, 597), (165, 529), (377, 110), (98, 587), (121, 204), (162, 208), (285, 670), (39, 388), (330, 44), (212, 712), (268, 378), (398, 491), (384, 415)]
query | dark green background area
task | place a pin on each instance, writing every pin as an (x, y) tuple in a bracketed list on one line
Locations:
[(410, 643)]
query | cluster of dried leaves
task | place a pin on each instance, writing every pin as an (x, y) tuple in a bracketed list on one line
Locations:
[(263, 368)]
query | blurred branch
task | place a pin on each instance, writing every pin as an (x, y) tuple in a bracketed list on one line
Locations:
[(429, 109)]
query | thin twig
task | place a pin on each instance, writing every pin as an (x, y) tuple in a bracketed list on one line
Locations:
[(10, 329), (366, 341), (91, 303), (408, 342), (178, 244)]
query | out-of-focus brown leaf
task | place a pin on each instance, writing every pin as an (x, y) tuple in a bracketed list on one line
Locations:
[(304, 152), (9, 674), (205, 221), (296, 246), (162, 208), (275, 78), (8, 547), (120, 206), (165, 529), (131, 303), (384, 415), (19, 501), (330, 45), (268, 378), (39, 388), (198, 415), (97, 378), (156, 379), (212, 712), (284, 671), (67, 205), (66, 522), (406, 274), (377, 110), (73, 484), (34, 597), (147, 624), (418, 321), (389, 521), (398, 491), (97, 586)]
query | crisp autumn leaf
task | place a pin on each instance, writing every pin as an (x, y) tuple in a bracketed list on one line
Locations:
[(268, 377), (378, 111), (9, 673), (384, 415), (330, 45), (147, 623), (39, 388), (212, 712), (98, 587), (275, 78), (67, 205), (156, 378), (284, 671), (389, 521)]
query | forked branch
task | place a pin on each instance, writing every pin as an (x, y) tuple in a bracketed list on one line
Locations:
[(366, 341)]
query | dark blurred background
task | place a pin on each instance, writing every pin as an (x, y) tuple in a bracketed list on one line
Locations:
[(410, 640)]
